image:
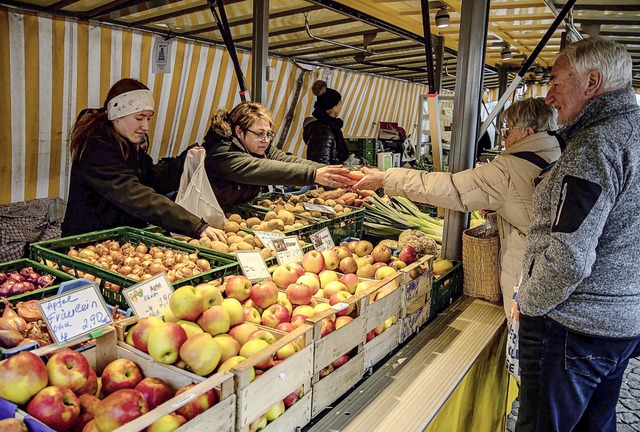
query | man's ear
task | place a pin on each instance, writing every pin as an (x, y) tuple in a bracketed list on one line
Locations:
[(237, 131), (594, 83)]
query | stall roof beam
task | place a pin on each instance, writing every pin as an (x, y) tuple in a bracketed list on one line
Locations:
[(292, 30)]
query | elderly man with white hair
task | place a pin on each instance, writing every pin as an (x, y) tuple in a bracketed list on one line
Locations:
[(580, 293)]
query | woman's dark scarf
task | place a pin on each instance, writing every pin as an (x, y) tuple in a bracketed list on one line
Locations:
[(335, 124)]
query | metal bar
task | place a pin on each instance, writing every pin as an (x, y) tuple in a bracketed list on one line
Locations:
[(464, 130), (426, 28), (525, 67), (173, 14), (260, 58), (438, 47), (319, 39)]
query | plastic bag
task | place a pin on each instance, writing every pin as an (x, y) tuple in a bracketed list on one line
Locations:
[(513, 348), (195, 193)]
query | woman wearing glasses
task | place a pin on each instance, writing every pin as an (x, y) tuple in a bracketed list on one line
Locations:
[(505, 185), (241, 160)]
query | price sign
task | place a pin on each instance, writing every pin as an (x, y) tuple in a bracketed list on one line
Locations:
[(288, 250), (75, 313), (252, 265), (149, 298), (318, 208), (322, 240), (267, 238)]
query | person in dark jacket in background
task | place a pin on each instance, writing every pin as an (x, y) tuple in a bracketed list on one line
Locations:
[(114, 182), (322, 133), (241, 161)]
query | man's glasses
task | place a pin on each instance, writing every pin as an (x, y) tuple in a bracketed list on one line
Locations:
[(263, 136)]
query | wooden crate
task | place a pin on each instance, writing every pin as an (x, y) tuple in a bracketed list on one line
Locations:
[(253, 398), (220, 417), (417, 316), (380, 346), (337, 383), (257, 396), (415, 288)]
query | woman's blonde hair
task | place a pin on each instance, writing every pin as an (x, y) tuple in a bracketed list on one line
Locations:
[(245, 114), (532, 113)]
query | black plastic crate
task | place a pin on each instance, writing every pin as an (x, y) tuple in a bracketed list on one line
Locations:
[(446, 288), (40, 269), (54, 253)]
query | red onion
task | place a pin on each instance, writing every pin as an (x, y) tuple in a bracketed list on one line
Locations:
[(45, 280), (25, 271), (19, 288), (33, 277), (3, 277), (17, 277), (5, 288)]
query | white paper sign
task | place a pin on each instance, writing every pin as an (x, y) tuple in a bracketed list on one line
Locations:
[(288, 250), (267, 237), (252, 265), (149, 298), (161, 56), (322, 240), (75, 313), (318, 208)]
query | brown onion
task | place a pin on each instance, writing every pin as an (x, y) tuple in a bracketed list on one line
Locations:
[(203, 264), (29, 311)]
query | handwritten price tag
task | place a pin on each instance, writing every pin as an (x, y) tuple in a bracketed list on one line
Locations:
[(267, 238), (149, 298), (288, 250), (75, 313), (322, 240), (252, 265), (319, 208)]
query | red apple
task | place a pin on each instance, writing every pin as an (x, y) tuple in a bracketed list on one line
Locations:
[(287, 351), (331, 259), (251, 315), (119, 408), (378, 265), (264, 293), (241, 332), (342, 321), (363, 247), (282, 299), (334, 287), (262, 334), (238, 287), (120, 374), (215, 320), (382, 253), (342, 252), (351, 281), (310, 279), (284, 275), (384, 272), (340, 361), (15, 385), (348, 265), (326, 371), (286, 327), (327, 326), (313, 261), (88, 405), (293, 397), (140, 332), (253, 347), (229, 347), (201, 354), (298, 320), (306, 310), (68, 369), (197, 405), (211, 294), (407, 254), (57, 407), (165, 342), (298, 268), (342, 297), (274, 315), (299, 294), (90, 386), (371, 335), (352, 245), (155, 391), (327, 276)]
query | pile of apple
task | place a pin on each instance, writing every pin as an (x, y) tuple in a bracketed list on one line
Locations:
[(66, 394)]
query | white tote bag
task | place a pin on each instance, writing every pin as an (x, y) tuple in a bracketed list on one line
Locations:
[(195, 193)]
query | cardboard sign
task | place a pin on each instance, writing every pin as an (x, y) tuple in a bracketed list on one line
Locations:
[(319, 208), (149, 298), (322, 240), (252, 265), (288, 250), (267, 237), (75, 313)]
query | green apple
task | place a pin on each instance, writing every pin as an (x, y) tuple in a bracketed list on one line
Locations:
[(232, 362), (190, 328), (234, 309), (167, 423), (230, 347), (186, 303), (253, 347), (275, 411)]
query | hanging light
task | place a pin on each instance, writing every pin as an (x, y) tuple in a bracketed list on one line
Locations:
[(442, 18), (506, 53), (538, 73)]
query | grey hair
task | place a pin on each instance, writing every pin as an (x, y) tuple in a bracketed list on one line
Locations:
[(533, 113), (609, 57)]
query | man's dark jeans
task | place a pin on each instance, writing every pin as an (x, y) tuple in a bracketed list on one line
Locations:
[(569, 381)]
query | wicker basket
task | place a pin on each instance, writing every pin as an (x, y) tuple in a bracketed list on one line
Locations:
[(480, 263)]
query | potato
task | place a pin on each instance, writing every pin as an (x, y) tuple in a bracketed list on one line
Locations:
[(244, 246), (219, 246), (234, 239), (235, 218), (270, 216), (231, 227)]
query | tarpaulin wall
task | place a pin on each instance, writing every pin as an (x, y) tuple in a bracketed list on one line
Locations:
[(53, 67)]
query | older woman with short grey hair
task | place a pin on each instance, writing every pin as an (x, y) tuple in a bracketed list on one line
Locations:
[(505, 185)]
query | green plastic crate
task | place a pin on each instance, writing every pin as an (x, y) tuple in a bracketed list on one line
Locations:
[(364, 148), (54, 252), (39, 268), (446, 288)]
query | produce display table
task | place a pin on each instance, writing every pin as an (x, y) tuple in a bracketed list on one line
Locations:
[(451, 376)]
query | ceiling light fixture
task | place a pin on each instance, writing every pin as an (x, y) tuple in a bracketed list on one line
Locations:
[(506, 53), (442, 18)]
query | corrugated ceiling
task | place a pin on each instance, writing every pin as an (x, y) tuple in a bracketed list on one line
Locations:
[(393, 48)]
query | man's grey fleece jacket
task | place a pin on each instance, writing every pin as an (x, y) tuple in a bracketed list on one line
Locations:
[(582, 259)]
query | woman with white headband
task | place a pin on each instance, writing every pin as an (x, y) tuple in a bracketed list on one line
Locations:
[(114, 182)]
